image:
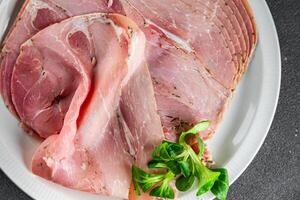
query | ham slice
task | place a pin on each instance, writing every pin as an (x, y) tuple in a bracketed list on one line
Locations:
[(214, 37), (33, 17), (185, 92), (55, 76), (222, 33), (225, 55), (43, 115), (89, 80), (115, 124)]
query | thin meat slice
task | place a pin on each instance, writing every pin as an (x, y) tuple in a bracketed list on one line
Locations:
[(197, 24), (223, 20), (79, 7), (185, 92), (249, 22), (46, 76), (229, 22), (117, 125), (34, 16)]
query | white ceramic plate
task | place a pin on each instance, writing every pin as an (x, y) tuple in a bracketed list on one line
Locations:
[(234, 146)]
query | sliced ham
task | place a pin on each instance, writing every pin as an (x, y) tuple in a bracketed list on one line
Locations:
[(209, 27), (55, 76), (225, 27), (117, 125), (45, 114), (185, 92), (33, 17), (87, 78)]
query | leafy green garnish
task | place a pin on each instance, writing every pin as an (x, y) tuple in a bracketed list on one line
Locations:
[(164, 190), (155, 164), (202, 126), (183, 183), (206, 179), (134, 175), (201, 146), (145, 180), (220, 188), (180, 162), (166, 151), (184, 168)]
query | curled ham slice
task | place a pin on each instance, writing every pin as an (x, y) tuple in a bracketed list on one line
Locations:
[(111, 122), (42, 116), (55, 75), (33, 17)]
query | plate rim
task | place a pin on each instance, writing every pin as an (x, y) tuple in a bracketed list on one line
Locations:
[(279, 62)]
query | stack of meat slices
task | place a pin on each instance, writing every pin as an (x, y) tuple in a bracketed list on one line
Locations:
[(104, 82)]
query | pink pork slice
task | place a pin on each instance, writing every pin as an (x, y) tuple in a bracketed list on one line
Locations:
[(231, 19), (112, 122), (221, 32), (185, 92), (33, 17)]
